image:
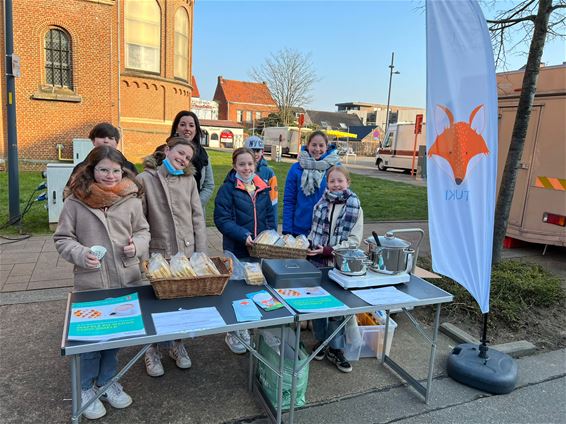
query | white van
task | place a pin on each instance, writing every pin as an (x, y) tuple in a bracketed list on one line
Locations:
[(286, 137), (396, 150)]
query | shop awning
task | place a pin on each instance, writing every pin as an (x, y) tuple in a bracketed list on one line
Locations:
[(340, 134)]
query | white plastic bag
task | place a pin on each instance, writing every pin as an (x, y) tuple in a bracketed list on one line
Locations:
[(237, 267), (180, 266), (352, 334), (202, 265), (158, 267)]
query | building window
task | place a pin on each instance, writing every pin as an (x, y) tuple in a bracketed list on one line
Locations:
[(182, 44), (258, 115), (58, 66), (239, 116), (248, 116), (142, 21)]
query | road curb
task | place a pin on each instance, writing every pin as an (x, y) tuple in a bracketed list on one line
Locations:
[(515, 349)]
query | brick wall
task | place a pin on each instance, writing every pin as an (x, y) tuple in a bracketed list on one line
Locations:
[(232, 109), (146, 104)]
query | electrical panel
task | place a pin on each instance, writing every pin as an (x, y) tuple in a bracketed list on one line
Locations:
[(81, 149), (57, 176)]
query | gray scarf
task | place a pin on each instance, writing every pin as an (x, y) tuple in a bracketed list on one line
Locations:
[(314, 170)]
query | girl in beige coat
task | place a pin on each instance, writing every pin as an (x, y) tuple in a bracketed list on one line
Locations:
[(173, 209), (103, 209)]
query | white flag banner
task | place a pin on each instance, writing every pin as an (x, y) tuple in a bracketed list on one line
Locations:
[(461, 143)]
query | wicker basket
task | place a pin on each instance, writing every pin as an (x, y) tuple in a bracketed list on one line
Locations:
[(268, 251), (213, 285)]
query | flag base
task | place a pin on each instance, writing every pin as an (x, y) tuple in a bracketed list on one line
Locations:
[(496, 373)]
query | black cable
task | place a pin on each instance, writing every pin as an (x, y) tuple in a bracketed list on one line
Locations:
[(25, 237), (27, 207)]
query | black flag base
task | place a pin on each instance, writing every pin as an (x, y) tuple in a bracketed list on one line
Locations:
[(488, 370)]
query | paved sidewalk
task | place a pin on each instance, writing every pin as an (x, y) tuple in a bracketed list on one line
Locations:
[(34, 264), (35, 281)]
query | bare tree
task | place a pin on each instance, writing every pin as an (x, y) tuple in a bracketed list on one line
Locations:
[(531, 17), (290, 76)]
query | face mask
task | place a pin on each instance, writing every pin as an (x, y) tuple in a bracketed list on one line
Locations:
[(171, 169), (245, 181)]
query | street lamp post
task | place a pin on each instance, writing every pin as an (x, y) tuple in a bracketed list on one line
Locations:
[(391, 72)]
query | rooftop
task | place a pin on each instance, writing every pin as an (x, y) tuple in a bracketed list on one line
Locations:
[(246, 92)]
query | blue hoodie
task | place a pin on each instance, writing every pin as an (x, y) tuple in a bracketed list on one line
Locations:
[(238, 214), (297, 207)]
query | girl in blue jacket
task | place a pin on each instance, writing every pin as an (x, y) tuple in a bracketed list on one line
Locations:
[(242, 210), (306, 182), (243, 205)]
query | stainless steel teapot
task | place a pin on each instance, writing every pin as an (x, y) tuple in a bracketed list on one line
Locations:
[(393, 255)]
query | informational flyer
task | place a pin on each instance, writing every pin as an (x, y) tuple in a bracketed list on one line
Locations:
[(384, 296), (264, 300), (311, 299), (106, 319), (187, 321)]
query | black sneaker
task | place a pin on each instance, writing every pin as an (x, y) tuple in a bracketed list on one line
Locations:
[(321, 354), (336, 356)]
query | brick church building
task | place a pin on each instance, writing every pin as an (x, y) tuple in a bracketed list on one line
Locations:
[(126, 62)]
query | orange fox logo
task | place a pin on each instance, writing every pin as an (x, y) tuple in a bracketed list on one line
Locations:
[(459, 143)]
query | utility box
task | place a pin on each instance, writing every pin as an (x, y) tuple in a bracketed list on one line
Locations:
[(81, 149), (57, 176)]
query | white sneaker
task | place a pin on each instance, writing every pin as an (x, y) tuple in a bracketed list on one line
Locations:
[(116, 396), (245, 336), (153, 365), (234, 344), (178, 352), (96, 409)]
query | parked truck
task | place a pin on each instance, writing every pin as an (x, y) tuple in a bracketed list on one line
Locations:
[(285, 137), (538, 210), (396, 149)]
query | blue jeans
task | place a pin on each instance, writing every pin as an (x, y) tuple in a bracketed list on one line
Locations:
[(98, 367), (324, 327)]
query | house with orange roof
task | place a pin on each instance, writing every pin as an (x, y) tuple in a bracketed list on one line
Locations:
[(204, 109), (243, 102)]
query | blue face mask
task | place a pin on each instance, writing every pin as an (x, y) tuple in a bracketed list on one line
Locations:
[(171, 169), (245, 181)]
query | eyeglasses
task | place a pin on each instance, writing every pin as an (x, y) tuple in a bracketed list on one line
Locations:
[(106, 171)]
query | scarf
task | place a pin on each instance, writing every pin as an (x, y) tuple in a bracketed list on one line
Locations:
[(315, 170), (99, 196), (320, 230), (200, 160)]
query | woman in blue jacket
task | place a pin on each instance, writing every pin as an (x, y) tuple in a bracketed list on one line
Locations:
[(306, 182), (242, 210)]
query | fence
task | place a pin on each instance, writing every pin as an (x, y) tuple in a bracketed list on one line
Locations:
[(365, 148)]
